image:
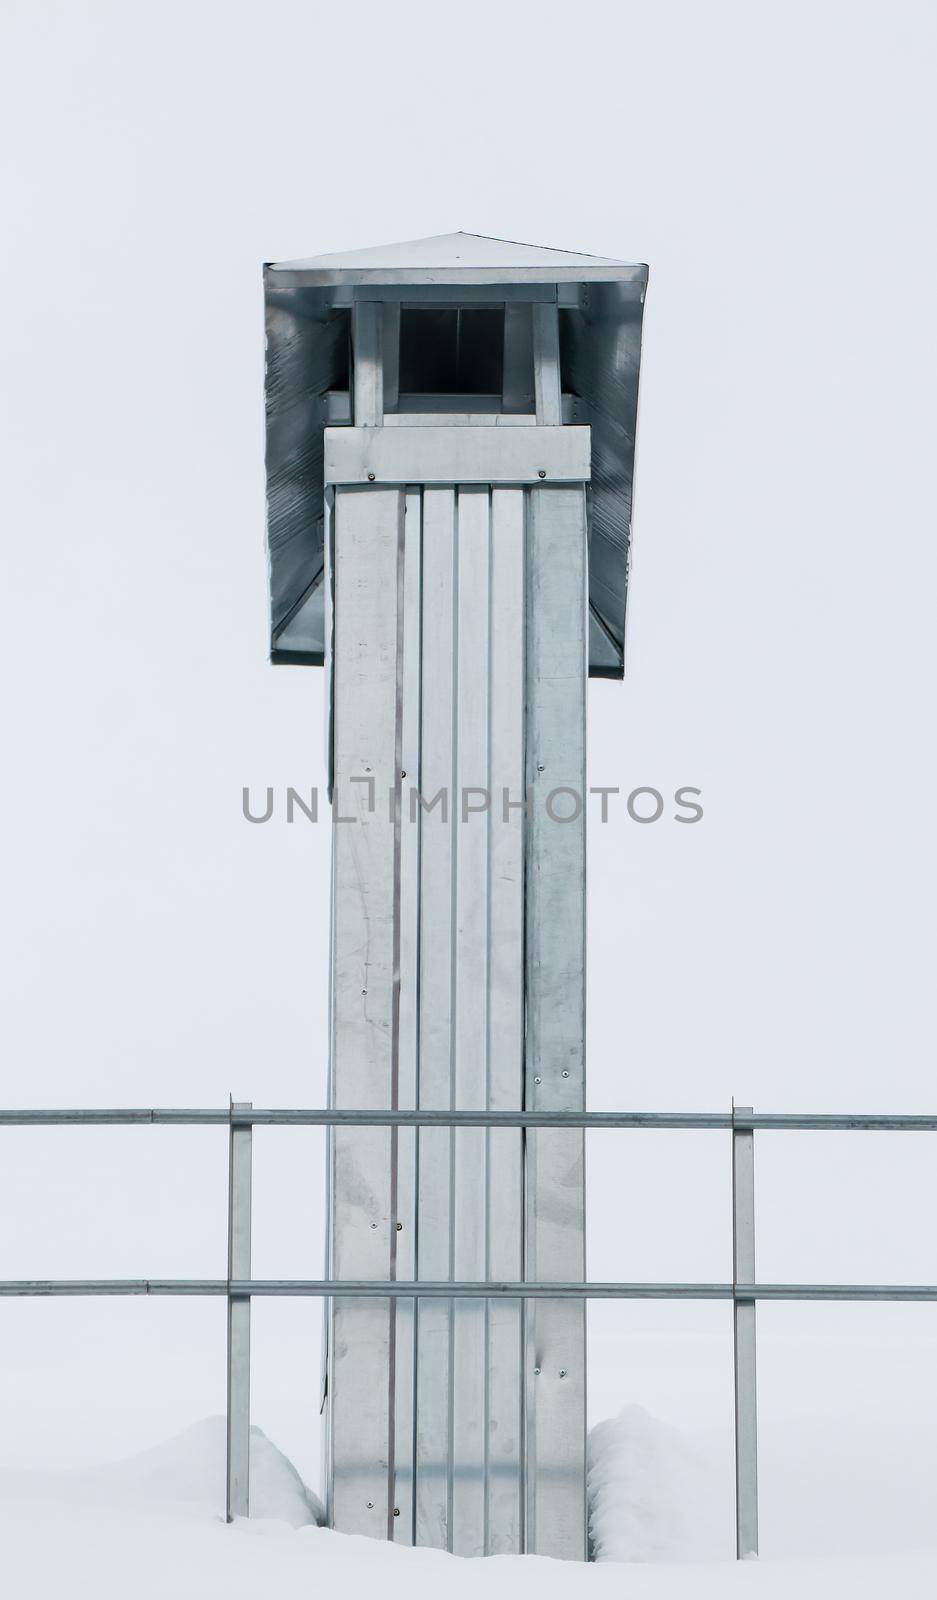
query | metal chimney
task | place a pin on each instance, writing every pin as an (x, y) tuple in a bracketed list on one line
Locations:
[(450, 447)]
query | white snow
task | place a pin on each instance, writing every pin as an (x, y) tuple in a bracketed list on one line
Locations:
[(652, 1497), (151, 1527), (185, 1475)]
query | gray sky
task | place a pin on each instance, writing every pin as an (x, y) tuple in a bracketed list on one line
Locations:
[(773, 165)]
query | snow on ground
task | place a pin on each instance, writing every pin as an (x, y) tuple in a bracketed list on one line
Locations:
[(151, 1528)]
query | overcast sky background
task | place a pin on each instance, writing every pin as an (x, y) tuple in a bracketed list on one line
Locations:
[(773, 164)]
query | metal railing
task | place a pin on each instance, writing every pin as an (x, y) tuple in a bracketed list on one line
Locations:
[(239, 1287)]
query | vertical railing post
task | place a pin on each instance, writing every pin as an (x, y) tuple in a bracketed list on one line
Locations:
[(743, 1274), (239, 1318)]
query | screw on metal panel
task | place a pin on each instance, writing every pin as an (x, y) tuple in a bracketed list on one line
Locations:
[(562, 1372), (396, 1511), (400, 1227), (403, 772), (565, 1074), (373, 1224), (536, 1372), (370, 1505), (536, 1080), (364, 991), (370, 477), (541, 473), (540, 767)]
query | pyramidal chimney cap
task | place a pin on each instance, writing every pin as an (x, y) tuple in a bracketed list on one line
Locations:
[(600, 306), (454, 258)]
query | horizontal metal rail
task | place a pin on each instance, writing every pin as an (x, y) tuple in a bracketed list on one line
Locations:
[(461, 1289), (282, 1117)]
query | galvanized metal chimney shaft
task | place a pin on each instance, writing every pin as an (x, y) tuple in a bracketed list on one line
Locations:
[(448, 400)]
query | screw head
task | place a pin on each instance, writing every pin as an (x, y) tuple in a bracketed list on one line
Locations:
[(537, 1080), (370, 1505), (400, 1227), (541, 473), (396, 1511), (536, 1372), (370, 477), (562, 1372), (565, 1074)]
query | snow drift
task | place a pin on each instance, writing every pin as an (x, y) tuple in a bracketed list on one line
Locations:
[(651, 1496), (186, 1471)]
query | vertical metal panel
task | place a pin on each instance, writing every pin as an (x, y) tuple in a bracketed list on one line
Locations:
[(437, 915), (556, 666), (405, 1212), (471, 1008), (327, 662), (547, 388), (443, 690), (325, 1410), (470, 1021), (505, 1220), (743, 1272), (368, 532), (601, 358), (239, 1320), (367, 329)]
